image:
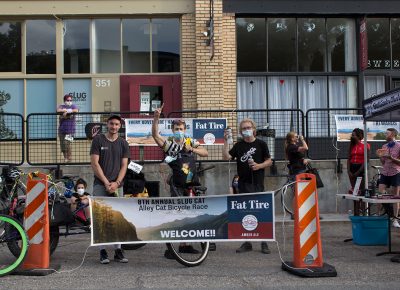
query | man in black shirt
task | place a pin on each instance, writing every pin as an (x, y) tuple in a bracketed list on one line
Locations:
[(252, 157), (109, 155)]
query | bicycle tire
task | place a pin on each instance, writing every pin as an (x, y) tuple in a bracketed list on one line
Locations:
[(14, 245), (189, 259), (11, 228)]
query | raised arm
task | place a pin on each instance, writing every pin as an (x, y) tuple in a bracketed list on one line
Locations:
[(154, 127)]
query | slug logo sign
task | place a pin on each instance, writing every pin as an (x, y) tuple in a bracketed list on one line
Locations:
[(251, 217)]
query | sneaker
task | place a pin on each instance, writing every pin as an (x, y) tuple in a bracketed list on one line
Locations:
[(264, 248), (104, 257), (396, 224), (168, 255), (119, 256), (188, 249), (245, 247), (213, 247)]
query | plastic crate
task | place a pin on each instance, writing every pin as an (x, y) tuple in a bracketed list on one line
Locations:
[(369, 230)]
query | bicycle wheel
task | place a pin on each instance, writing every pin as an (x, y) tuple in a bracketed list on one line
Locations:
[(11, 229), (190, 254)]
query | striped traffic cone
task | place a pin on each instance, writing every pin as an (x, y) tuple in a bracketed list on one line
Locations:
[(36, 223), (307, 260)]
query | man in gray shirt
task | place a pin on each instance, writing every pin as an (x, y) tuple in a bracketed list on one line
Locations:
[(109, 155)]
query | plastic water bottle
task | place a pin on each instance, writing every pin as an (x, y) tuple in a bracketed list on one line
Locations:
[(230, 136), (350, 212), (250, 161)]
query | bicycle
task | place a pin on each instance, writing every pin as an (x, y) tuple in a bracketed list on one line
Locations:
[(199, 250), (13, 195), (11, 230)]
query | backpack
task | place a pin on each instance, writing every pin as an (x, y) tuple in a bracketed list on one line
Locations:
[(134, 183)]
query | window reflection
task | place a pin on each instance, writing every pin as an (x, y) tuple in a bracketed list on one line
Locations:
[(312, 44), (76, 46), (395, 30), (136, 45), (165, 45), (106, 46), (10, 46), (41, 46), (378, 43), (251, 44), (341, 44), (282, 44)]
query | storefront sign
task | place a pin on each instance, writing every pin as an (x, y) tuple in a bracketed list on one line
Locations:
[(239, 217), (205, 131), (345, 124)]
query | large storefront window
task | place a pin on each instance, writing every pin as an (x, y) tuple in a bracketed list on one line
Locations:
[(312, 45), (106, 43), (296, 45), (378, 43), (341, 45), (10, 46), (395, 34), (76, 46), (282, 44), (41, 46), (165, 45), (251, 44), (136, 45)]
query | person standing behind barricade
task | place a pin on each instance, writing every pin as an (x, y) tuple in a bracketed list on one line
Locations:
[(252, 157), (389, 155), (66, 130), (180, 152), (295, 148), (109, 155), (355, 164)]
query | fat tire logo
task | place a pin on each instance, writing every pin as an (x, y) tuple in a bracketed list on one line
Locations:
[(249, 222)]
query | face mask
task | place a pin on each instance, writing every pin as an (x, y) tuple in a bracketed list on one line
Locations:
[(81, 191), (179, 135), (247, 133), (68, 103)]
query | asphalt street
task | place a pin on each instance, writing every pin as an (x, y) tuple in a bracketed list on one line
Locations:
[(357, 266)]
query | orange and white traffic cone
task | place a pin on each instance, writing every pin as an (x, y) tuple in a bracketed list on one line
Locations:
[(37, 226), (307, 248)]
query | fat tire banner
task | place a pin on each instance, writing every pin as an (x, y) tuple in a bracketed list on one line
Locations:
[(239, 217)]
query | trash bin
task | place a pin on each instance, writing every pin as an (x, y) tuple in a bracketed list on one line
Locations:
[(268, 136)]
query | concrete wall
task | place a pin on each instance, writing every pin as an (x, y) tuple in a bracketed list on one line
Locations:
[(218, 180)]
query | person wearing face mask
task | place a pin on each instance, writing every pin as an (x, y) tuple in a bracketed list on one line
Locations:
[(355, 164), (252, 157), (181, 152), (389, 155), (80, 198), (66, 130)]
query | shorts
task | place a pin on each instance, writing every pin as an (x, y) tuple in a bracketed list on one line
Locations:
[(390, 180), (64, 144)]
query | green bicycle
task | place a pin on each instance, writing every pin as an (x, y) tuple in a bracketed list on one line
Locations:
[(10, 231)]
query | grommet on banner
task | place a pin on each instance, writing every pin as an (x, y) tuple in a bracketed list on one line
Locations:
[(37, 223), (307, 248)]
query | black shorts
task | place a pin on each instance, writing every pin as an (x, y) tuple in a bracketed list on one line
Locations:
[(390, 180)]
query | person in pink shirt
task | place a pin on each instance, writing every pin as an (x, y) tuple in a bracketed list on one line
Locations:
[(390, 173), (355, 163)]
